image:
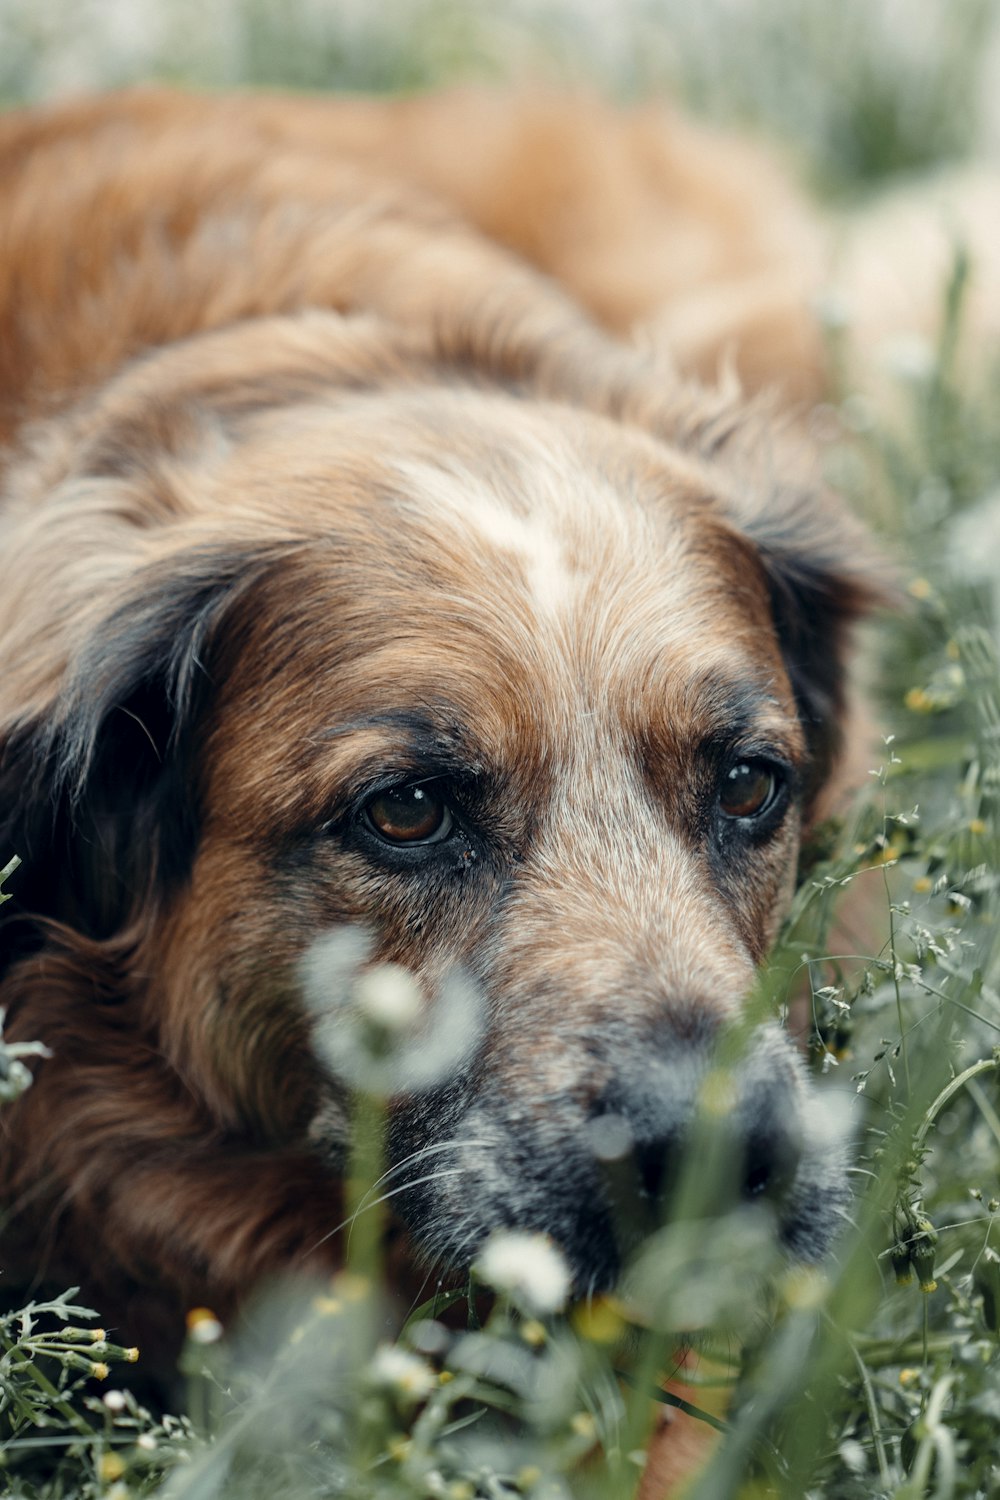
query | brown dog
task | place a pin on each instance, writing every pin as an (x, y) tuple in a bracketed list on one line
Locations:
[(352, 573)]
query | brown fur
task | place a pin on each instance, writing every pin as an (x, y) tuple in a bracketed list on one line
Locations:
[(328, 461)]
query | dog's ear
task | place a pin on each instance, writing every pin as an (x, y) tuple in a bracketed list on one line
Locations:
[(825, 575), (99, 796)]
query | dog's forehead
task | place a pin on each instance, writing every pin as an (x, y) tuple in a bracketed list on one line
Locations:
[(549, 519), (600, 559), (521, 582)]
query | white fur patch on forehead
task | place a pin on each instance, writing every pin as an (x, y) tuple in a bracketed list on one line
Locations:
[(619, 593), (552, 582), (488, 522), (538, 505)]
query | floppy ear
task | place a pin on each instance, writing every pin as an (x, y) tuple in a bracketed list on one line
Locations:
[(825, 575), (100, 798)]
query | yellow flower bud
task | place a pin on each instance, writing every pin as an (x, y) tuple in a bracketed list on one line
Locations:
[(599, 1321), (111, 1467)]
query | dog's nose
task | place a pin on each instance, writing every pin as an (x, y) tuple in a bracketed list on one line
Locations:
[(771, 1157), (652, 1159), (762, 1163), (749, 1145)]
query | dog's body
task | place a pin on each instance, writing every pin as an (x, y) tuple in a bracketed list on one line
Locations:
[(350, 574)]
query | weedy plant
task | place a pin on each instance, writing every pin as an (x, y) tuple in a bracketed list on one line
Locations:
[(875, 1376)]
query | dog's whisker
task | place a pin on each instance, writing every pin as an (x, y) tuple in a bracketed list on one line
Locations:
[(421, 1155), (403, 1187), (845, 1215), (415, 1156)]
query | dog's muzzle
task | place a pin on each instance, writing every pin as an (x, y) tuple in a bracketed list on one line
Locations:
[(679, 1124)]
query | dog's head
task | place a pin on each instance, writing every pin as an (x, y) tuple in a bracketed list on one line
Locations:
[(523, 691)]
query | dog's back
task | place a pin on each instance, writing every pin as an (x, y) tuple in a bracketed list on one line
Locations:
[(134, 220)]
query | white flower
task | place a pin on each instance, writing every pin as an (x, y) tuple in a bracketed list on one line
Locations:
[(527, 1266), (390, 996), (203, 1326), (376, 1029), (398, 1370)]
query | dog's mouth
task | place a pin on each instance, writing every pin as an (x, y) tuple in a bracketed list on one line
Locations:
[(685, 1139)]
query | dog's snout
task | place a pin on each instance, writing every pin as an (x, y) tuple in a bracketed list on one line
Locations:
[(736, 1133), (679, 1128)]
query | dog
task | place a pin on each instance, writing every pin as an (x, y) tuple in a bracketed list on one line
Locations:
[(376, 553)]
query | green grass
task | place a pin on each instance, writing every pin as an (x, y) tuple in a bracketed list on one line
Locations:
[(852, 1385), (844, 1384)]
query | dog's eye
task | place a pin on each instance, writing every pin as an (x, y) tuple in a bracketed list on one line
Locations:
[(748, 789), (408, 815)]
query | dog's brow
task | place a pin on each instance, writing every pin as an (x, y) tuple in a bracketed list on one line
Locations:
[(422, 733), (408, 722), (740, 708)]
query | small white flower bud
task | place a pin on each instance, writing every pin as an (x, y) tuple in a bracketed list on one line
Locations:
[(398, 1370), (527, 1266), (390, 996)]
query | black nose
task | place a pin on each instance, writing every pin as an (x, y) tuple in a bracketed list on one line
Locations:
[(677, 1144), (653, 1159), (771, 1157), (762, 1162)]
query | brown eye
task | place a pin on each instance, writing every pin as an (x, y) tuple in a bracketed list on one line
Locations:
[(409, 815), (748, 789)]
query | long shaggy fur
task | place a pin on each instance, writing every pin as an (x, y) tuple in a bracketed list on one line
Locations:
[(330, 468)]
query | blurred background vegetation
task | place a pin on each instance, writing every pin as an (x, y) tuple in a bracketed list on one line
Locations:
[(859, 90), (881, 1379)]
